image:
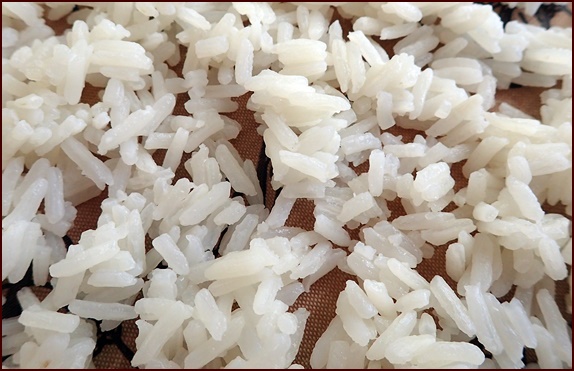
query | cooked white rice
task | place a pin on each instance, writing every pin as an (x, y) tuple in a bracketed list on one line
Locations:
[(216, 285)]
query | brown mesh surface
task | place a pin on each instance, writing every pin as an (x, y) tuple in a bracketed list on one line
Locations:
[(115, 348)]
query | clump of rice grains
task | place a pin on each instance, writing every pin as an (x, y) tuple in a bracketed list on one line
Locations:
[(438, 201)]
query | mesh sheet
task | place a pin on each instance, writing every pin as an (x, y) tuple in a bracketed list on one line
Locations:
[(115, 348)]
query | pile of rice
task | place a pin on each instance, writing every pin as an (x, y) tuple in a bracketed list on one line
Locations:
[(215, 285)]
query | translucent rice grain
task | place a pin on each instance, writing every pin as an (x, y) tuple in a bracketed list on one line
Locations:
[(228, 285), (10, 177), (207, 311), (455, 260), (339, 354), (265, 295), (556, 60), (406, 11), (520, 322), (175, 150), (556, 325), (426, 325), (367, 49), (463, 70), (485, 212), (194, 18), (309, 51), (401, 326), (485, 329), (244, 62), (175, 259), (331, 230), (483, 153), (481, 269), (547, 158), (200, 135), (233, 171), (84, 260), (137, 123), (420, 91), (308, 165), (20, 134), (442, 353), (27, 298), (525, 199), (91, 166), (356, 206), (418, 43), (513, 349), (31, 101), (164, 328), (116, 294), (359, 300), (320, 354), (41, 264), (289, 293), (211, 349), (121, 262), (77, 69), (102, 311), (452, 305), (312, 261), (406, 348), (554, 266), (280, 212), (161, 108), (202, 208), (241, 235), (341, 64), (11, 326), (152, 309), (111, 279), (28, 248), (409, 276), (11, 241), (230, 214), (283, 132), (405, 150), (236, 264), (434, 181), (26, 209), (211, 47), (251, 173), (546, 349), (359, 142), (376, 172), (378, 295), (287, 323), (64, 292), (360, 330), (54, 203), (36, 317), (417, 299)]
